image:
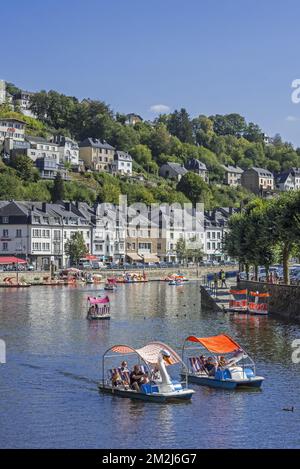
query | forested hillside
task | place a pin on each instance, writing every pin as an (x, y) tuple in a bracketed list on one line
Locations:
[(176, 137)]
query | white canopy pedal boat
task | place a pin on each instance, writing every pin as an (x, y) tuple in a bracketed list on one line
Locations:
[(98, 308), (158, 385), (228, 367)]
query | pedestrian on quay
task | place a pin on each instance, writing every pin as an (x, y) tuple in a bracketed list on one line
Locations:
[(223, 279), (216, 281)]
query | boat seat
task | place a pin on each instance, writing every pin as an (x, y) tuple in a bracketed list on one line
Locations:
[(196, 364)]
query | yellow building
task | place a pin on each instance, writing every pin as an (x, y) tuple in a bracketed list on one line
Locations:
[(96, 155)]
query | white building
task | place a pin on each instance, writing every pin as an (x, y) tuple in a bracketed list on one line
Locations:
[(122, 163), (38, 231), (22, 103), (289, 180), (108, 233), (68, 150), (233, 175)]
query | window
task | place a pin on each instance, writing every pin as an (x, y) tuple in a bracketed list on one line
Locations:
[(36, 233), (218, 235), (159, 246), (4, 246), (208, 235), (208, 245), (4, 219), (19, 233), (5, 233)]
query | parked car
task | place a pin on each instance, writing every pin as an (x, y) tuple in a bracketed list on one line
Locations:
[(84, 264)]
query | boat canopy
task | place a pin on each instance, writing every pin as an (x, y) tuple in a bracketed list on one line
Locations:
[(220, 344), (149, 353), (238, 292), (94, 301), (258, 294)]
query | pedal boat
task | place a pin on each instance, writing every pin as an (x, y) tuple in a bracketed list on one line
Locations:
[(237, 371), (98, 308), (155, 358)]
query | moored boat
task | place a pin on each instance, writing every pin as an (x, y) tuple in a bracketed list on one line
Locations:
[(98, 308), (154, 382), (239, 303), (249, 302), (111, 284), (258, 303), (228, 367)]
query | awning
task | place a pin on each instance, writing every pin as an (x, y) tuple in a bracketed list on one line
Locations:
[(149, 353), (12, 260), (95, 301), (90, 257), (217, 344), (151, 259), (134, 256)]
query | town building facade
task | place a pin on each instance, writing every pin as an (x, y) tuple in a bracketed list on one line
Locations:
[(258, 180), (173, 171), (196, 166), (96, 155), (233, 175)]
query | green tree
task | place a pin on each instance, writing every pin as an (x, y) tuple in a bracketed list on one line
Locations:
[(195, 188), (25, 167), (58, 191), (229, 124), (75, 248), (181, 250), (180, 125)]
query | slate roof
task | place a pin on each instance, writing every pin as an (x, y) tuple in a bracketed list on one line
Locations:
[(195, 165), (96, 143)]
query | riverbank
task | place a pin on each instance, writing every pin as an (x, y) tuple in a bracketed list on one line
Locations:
[(43, 277)]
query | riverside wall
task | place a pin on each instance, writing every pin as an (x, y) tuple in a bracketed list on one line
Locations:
[(284, 300), (152, 274)]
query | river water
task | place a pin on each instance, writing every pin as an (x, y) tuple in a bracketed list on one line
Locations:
[(48, 387)]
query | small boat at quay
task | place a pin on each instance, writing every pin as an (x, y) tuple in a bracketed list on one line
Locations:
[(132, 277), (98, 308), (177, 283), (111, 285), (175, 277), (149, 380), (228, 366), (249, 302)]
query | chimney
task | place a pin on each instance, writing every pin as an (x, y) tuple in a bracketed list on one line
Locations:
[(68, 206), (44, 207)]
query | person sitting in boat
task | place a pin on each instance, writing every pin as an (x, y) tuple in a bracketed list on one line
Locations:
[(155, 374), (222, 362), (116, 378), (210, 367), (202, 360), (137, 377), (124, 367), (124, 373)]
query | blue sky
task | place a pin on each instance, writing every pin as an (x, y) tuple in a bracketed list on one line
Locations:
[(209, 57)]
